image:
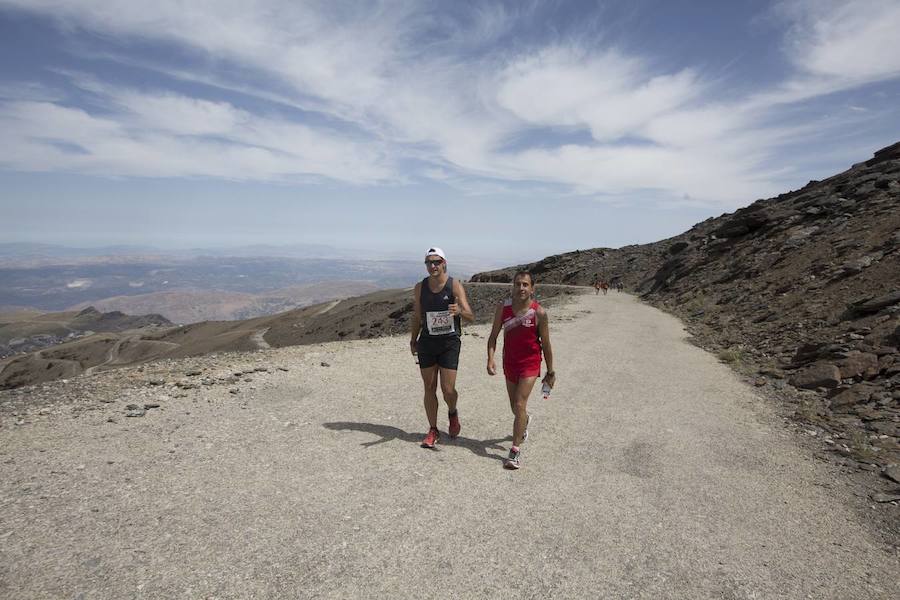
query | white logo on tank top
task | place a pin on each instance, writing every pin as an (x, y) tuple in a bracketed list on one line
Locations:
[(526, 320)]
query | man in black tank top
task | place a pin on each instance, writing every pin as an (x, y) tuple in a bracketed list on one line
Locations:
[(439, 304)]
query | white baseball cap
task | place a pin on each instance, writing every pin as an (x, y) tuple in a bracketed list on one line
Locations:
[(435, 250)]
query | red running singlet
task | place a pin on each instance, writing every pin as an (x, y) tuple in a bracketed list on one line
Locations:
[(521, 344)]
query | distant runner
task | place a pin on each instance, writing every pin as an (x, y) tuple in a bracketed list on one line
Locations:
[(526, 332), (438, 303)]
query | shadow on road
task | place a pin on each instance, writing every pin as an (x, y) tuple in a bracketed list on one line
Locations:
[(388, 433)]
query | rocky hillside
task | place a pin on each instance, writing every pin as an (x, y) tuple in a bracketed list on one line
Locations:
[(802, 288), (27, 331), (629, 264)]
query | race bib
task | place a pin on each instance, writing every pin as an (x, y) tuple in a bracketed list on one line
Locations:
[(440, 322)]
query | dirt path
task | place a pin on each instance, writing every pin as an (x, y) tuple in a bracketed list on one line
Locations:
[(652, 472), (112, 355), (259, 339), (329, 306)]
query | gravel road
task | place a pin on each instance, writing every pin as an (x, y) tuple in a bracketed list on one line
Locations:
[(652, 472)]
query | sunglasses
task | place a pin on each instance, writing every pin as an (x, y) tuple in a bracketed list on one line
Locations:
[(432, 263)]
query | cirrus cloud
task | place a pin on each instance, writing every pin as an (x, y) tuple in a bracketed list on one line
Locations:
[(382, 92)]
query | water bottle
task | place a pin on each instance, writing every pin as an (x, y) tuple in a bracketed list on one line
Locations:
[(545, 390)]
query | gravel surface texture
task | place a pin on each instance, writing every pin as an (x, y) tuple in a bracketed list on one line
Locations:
[(651, 472)]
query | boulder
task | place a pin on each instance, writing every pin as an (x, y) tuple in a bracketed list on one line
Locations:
[(820, 374), (812, 350), (891, 152), (678, 247), (871, 305), (892, 472), (858, 364), (885, 428), (855, 266), (742, 223), (799, 236), (857, 394)]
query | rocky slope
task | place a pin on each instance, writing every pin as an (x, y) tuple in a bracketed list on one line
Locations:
[(27, 331), (800, 291)]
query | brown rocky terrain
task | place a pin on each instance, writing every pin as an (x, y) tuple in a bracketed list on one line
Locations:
[(26, 331), (801, 292), (362, 317)]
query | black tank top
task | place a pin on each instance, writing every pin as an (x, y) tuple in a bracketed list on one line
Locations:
[(436, 319)]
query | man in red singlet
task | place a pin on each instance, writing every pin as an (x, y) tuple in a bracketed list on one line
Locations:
[(526, 333)]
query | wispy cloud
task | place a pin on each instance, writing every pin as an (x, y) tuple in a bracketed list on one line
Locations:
[(835, 45), (845, 41), (611, 94), (172, 136), (448, 88)]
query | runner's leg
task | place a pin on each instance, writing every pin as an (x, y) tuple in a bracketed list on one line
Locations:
[(448, 388), (430, 380), (511, 392), (520, 406)]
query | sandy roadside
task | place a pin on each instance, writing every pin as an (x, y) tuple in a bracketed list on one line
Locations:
[(651, 472)]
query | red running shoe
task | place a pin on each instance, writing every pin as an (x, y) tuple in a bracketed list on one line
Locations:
[(432, 438), (454, 428)]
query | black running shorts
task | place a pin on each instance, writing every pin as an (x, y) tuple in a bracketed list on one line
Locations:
[(441, 351)]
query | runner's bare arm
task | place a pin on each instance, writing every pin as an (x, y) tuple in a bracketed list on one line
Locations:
[(544, 332), (492, 340), (415, 323), (461, 307)]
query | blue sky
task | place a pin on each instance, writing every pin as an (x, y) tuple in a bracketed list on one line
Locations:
[(506, 129)]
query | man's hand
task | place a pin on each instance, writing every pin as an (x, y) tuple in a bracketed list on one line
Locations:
[(491, 367), (413, 347), (453, 309)]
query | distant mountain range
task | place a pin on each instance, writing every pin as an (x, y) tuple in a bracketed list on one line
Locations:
[(192, 306), (28, 254), (39, 250), (200, 284), (95, 280)]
